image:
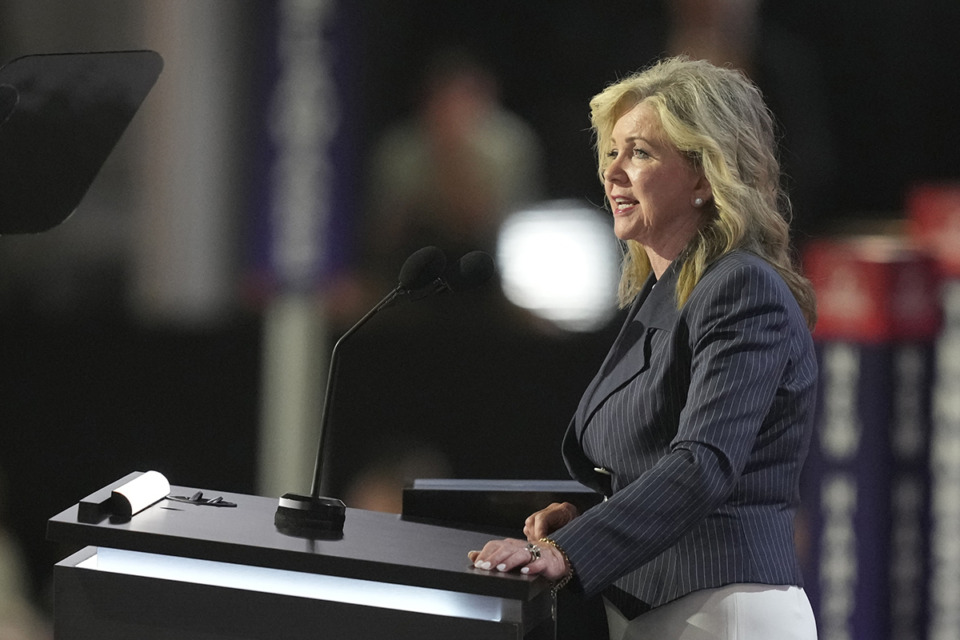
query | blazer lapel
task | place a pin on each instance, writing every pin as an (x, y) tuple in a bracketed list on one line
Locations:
[(654, 308)]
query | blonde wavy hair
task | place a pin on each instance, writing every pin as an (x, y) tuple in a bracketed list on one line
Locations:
[(718, 119)]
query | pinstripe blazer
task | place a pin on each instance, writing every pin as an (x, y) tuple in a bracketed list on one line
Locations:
[(702, 416)]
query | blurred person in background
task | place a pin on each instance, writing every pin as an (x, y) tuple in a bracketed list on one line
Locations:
[(19, 618), (449, 175)]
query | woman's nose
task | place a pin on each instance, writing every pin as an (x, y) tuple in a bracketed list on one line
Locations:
[(613, 172)]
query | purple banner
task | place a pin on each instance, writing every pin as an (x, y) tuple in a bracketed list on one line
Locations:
[(864, 526), (304, 163)]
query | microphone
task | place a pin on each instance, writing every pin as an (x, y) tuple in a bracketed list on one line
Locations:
[(321, 516), (468, 272), (421, 268)]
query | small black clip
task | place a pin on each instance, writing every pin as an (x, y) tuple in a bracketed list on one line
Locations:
[(198, 499)]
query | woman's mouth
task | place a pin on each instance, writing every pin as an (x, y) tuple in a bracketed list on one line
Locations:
[(623, 205)]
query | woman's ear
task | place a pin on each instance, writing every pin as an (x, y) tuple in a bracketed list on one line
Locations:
[(702, 192)]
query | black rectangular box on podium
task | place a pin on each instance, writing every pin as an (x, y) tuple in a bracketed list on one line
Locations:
[(191, 570)]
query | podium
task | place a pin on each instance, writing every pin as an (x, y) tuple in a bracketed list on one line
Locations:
[(195, 571)]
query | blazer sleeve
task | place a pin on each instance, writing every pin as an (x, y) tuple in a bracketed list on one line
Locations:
[(736, 328)]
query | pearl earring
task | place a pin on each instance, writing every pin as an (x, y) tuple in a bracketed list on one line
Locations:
[(698, 202)]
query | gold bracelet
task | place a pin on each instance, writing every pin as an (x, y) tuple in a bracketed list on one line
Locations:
[(565, 579)]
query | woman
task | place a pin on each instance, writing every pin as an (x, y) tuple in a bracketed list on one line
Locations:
[(697, 425)]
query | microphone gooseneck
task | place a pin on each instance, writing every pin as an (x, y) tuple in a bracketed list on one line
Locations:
[(317, 516), (423, 266), (423, 274)]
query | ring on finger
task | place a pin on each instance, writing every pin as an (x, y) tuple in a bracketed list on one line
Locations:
[(534, 551)]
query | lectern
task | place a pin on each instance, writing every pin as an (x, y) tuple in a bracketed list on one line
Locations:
[(195, 571)]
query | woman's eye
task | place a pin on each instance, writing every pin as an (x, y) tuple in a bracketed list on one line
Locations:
[(639, 153), (612, 154)]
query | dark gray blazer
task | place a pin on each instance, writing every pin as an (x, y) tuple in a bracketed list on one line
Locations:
[(703, 417)]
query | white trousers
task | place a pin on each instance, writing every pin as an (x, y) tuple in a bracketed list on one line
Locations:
[(733, 612)]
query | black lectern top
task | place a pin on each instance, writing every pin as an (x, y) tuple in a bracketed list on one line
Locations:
[(375, 546)]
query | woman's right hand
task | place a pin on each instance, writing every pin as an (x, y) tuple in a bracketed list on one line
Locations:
[(544, 522)]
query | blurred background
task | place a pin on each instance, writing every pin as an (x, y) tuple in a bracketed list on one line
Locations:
[(294, 152)]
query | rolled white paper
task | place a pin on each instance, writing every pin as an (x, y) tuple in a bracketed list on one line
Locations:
[(140, 493)]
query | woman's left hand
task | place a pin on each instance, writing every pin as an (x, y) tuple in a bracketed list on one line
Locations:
[(530, 558)]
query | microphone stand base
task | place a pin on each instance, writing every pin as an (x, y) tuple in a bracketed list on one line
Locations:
[(311, 517)]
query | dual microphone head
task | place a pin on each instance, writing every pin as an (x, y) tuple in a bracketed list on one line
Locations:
[(426, 273)]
